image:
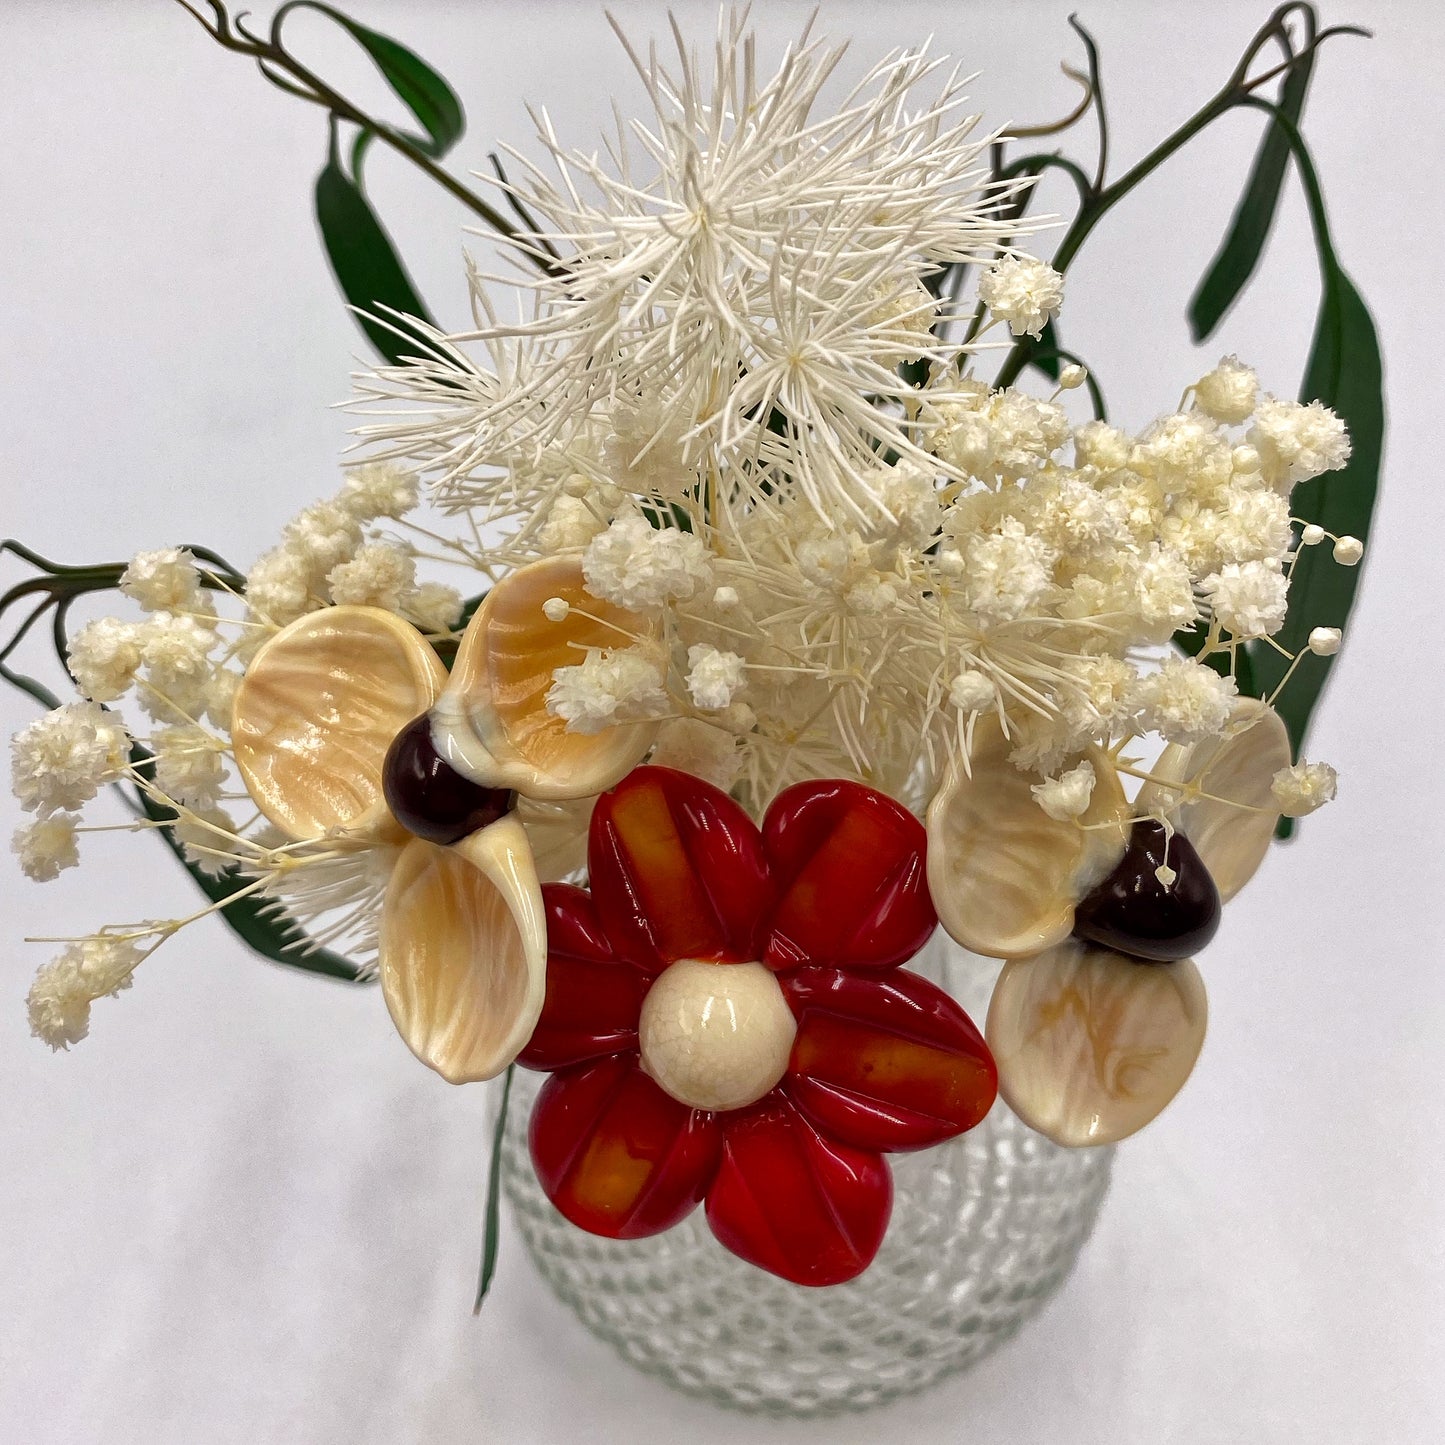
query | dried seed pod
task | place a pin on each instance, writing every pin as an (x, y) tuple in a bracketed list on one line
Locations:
[(1090, 1045), (1004, 875), (492, 724), (317, 710), (1231, 836), (464, 950)]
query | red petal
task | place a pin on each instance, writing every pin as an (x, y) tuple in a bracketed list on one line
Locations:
[(794, 1203), (849, 863), (677, 870), (616, 1155), (593, 998), (886, 1061)]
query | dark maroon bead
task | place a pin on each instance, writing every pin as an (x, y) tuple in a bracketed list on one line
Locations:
[(428, 796), (1132, 912)]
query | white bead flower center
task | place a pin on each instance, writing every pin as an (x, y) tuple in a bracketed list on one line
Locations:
[(716, 1035)]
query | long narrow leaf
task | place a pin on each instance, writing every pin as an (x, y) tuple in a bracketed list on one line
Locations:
[(1238, 256), (1344, 372), (492, 1216), (365, 263), (424, 92)]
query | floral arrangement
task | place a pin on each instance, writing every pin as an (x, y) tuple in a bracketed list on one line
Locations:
[(790, 625)]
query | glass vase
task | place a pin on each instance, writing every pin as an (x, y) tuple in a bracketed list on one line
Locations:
[(984, 1229)]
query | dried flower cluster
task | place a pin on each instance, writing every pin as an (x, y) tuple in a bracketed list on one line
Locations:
[(738, 401)]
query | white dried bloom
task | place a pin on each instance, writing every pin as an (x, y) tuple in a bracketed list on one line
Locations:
[(190, 764), (1303, 788), (46, 846), (379, 575), (725, 599), (1184, 701), (1185, 453), (996, 436), (644, 449), (1023, 291), (377, 489), (64, 989), (433, 606), (323, 536), (104, 656), (1097, 444), (1254, 526), (1066, 796), (1163, 594), (693, 746), (220, 697), (971, 691), (163, 581), (1325, 641), (624, 685), (1227, 393), (1348, 551), (1249, 599), (175, 655), (1297, 442), (281, 586), (713, 676), (1072, 377), (1312, 534), (571, 523), (63, 759), (639, 566), (1006, 572)]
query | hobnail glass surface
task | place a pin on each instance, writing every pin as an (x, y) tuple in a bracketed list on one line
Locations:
[(984, 1229)]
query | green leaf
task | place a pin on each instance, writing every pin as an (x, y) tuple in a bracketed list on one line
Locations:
[(366, 265), (420, 88), (492, 1217), (1235, 262), (247, 917), (1344, 372)]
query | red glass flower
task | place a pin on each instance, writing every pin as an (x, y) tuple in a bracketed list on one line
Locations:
[(726, 1020)]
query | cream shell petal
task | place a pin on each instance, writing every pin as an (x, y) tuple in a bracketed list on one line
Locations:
[(558, 834), (1239, 766), (1003, 874), (492, 723), (463, 951), (317, 710), (1090, 1045)]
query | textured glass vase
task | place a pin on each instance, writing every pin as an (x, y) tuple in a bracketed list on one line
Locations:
[(984, 1230)]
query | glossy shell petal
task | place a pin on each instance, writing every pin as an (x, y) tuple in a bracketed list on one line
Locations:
[(492, 722), (885, 1062), (616, 1155), (1240, 767), (317, 710), (463, 951), (849, 867), (593, 999), (794, 1202), (1091, 1045), (1003, 874), (677, 871)]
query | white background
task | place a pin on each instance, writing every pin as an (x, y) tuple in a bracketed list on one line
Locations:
[(240, 1212)]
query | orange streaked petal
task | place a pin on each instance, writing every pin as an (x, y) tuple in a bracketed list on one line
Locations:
[(616, 1155), (885, 1062), (795, 1203), (677, 871), (849, 865)]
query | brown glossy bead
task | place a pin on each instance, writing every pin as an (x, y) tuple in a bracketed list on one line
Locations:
[(1132, 912), (428, 796)]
